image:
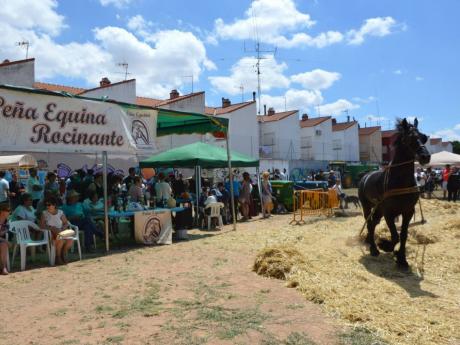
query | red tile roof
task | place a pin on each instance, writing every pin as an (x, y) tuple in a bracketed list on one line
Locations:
[(313, 122), (369, 130), (276, 116), (9, 63), (57, 87), (226, 110), (341, 126), (109, 85), (148, 102), (389, 134), (435, 141)]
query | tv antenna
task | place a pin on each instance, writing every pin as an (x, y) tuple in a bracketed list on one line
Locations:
[(125, 66), (241, 87), (259, 56), (191, 77), (24, 44)]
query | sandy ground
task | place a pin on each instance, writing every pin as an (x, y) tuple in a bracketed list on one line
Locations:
[(201, 291)]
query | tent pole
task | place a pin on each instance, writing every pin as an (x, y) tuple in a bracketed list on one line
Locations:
[(106, 206), (198, 191), (230, 174)]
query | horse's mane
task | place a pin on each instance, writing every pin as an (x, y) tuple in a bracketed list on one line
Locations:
[(401, 129)]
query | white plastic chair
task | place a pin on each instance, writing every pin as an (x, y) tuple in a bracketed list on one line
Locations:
[(75, 238), (214, 213), (22, 239)]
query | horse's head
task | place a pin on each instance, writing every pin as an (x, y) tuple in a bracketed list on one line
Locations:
[(413, 140)]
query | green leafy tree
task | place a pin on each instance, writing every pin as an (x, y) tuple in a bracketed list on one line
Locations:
[(456, 146)]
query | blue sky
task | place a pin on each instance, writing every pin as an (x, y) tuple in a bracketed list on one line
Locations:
[(378, 60)]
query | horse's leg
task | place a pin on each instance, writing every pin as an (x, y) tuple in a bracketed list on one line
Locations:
[(401, 253), (371, 224), (389, 246)]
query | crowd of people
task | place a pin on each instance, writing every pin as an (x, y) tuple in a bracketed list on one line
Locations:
[(447, 179)]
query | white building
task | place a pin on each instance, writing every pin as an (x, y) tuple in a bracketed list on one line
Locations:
[(447, 146), (434, 145), (243, 126), (18, 73), (280, 135), (345, 141), (370, 144), (316, 138)]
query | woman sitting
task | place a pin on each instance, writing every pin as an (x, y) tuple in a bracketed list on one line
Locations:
[(25, 210), (55, 221), (75, 213), (92, 205), (4, 213)]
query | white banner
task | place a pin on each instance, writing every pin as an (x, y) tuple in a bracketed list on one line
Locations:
[(34, 122), (153, 227)]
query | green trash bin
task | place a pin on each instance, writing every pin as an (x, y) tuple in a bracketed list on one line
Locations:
[(283, 192)]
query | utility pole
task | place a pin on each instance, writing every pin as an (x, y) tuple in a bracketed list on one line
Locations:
[(26, 44)]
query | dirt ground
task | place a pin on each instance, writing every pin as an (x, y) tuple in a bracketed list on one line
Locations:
[(200, 291), (203, 291)]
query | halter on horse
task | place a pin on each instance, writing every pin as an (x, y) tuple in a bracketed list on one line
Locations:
[(393, 191)]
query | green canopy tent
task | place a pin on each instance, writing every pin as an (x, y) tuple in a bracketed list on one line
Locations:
[(201, 155), (198, 154)]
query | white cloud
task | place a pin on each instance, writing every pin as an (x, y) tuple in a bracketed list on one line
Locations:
[(317, 79), (39, 15), (139, 25), (336, 108), (244, 73), (302, 100), (280, 23), (158, 62), (272, 19), (364, 100), (398, 72), (448, 134), (374, 118), (116, 3), (418, 78), (377, 27)]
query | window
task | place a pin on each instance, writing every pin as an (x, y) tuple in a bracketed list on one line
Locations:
[(336, 144), (268, 139), (306, 143)]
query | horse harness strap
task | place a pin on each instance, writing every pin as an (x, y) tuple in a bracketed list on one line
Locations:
[(400, 191)]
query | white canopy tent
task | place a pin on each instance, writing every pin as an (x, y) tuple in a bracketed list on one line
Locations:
[(443, 158), (17, 162)]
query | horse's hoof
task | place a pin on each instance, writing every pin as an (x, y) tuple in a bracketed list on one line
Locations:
[(374, 251), (386, 246), (403, 265)]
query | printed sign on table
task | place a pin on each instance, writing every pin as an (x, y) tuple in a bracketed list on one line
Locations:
[(153, 227)]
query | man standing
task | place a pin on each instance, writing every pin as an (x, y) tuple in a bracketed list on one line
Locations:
[(34, 187), (129, 180), (162, 190), (4, 188), (445, 179), (453, 185)]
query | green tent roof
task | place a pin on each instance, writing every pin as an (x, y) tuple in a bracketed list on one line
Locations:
[(198, 154)]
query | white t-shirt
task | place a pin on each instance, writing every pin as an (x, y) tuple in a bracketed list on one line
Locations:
[(4, 188), (210, 200), (24, 213), (53, 219), (162, 190)]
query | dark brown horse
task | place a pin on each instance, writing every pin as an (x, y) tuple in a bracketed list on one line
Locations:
[(393, 191)]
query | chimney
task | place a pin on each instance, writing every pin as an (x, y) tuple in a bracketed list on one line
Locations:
[(348, 118), (254, 96), (334, 121), (304, 117), (271, 111), (173, 94), (226, 102), (265, 109), (104, 82)]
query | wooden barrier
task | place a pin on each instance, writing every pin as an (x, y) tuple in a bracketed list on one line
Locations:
[(313, 202)]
